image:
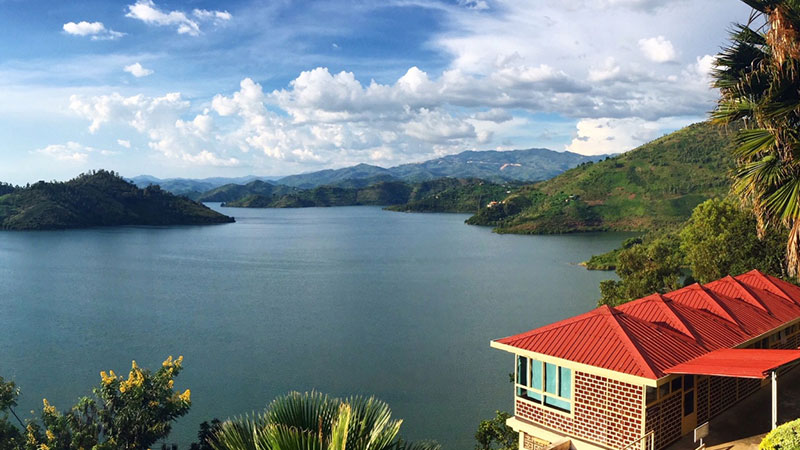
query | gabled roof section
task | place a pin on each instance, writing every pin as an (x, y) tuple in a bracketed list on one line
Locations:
[(648, 336)]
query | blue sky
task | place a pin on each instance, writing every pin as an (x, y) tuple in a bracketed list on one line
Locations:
[(202, 88)]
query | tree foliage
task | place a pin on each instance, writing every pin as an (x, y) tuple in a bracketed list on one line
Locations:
[(758, 76), (130, 413), (315, 421), (644, 269), (494, 434), (720, 239)]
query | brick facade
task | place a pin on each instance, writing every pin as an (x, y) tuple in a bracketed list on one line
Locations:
[(533, 443), (664, 418), (604, 411)]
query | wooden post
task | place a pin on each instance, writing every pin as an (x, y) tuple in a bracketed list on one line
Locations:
[(774, 399)]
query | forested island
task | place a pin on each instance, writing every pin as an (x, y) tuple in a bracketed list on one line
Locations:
[(98, 198)]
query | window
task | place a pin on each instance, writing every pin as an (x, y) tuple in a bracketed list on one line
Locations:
[(663, 390), (688, 403), (688, 382), (651, 394), (544, 383), (676, 384)]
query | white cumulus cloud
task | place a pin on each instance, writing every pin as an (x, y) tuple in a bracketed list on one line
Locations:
[(96, 30), (137, 70), (658, 49)]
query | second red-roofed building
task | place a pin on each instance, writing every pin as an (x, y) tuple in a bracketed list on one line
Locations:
[(643, 374)]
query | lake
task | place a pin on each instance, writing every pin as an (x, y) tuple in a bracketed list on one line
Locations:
[(352, 300)]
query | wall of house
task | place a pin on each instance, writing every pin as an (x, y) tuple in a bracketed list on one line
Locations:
[(604, 411), (714, 395)]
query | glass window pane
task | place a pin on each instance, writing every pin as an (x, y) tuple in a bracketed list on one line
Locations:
[(676, 384), (560, 404), (688, 403), (688, 382), (663, 390), (650, 395), (550, 378), (565, 382), (536, 374), (522, 370)]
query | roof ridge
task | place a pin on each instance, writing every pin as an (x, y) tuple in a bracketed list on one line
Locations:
[(728, 314), (743, 288), (688, 330), (772, 283), (637, 352), (558, 324)]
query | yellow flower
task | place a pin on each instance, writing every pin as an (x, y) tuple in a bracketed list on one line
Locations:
[(123, 387), (30, 435), (50, 435), (43, 447), (133, 365), (179, 361), (108, 378), (170, 383), (186, 396), (167, 362), (48, 408), (153, 404)]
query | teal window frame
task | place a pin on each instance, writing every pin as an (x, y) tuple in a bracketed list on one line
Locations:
[(544, 383)]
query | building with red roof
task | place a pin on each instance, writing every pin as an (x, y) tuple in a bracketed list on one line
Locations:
[(647, 372)]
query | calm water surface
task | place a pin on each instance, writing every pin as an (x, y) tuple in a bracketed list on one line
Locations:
[(342, 300)]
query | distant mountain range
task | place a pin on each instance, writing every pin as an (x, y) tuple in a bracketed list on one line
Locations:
[(497, 166)]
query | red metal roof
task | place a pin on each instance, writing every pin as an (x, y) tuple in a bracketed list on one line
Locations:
[(648, 336), (737, 362)]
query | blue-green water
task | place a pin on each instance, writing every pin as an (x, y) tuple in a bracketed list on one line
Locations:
[(342, 300)]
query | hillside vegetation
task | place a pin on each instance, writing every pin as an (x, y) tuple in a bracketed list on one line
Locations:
[(441, 195), (98, 199), (653, 186)]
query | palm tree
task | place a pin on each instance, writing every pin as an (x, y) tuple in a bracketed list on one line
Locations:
[(758, 75), (313, 421)]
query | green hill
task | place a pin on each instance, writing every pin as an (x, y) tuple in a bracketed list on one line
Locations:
[(231, 192), (442, 195), (655, 185), (453, 195), (98, 199)]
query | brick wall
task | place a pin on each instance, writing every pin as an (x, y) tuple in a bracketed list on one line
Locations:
[(664, 418), (533, 443), (605, 411)]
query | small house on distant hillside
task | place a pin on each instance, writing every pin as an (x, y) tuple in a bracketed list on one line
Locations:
[(643, 374)]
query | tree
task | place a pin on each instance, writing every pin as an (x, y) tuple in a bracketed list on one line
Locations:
[(758, 75), (315, 421), (720, 239), (123, 414), (644, 269), (494, 434)]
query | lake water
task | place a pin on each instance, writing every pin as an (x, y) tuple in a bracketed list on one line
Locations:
[(342, 300)]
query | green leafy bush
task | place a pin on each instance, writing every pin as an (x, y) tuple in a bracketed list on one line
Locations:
[(785, 437)]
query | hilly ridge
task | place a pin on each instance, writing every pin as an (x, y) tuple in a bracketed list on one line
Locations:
[(655, 185), (100, 198), (491, 165)]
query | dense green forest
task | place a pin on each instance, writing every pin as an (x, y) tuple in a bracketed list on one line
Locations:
[(656, 185), (441, 195), (100, 198)]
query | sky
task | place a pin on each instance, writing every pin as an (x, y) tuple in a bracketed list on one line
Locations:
[(199, 88)]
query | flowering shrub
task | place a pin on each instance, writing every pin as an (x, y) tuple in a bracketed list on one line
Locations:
[(124, 414)]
